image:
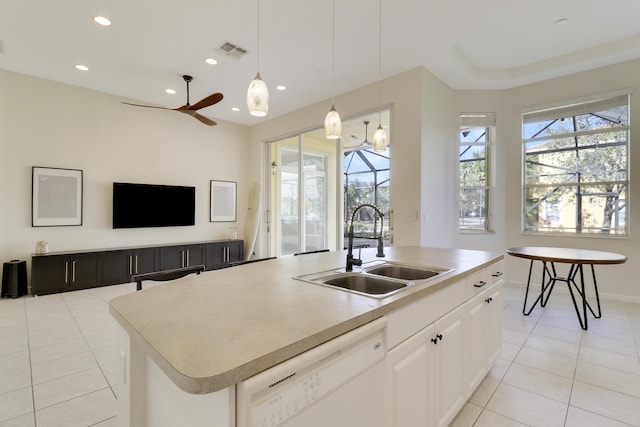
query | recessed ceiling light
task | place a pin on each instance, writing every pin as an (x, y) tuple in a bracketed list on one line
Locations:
[(281, 87), (211, 61), (170, 91), (102, 20), (82, 67), (235, 109), (561, 22)]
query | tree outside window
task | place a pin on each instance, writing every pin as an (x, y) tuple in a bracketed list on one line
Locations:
[(575, 168)]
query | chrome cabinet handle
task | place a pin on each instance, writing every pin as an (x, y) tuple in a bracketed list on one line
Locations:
[(136, 264), (66, 272), (130, 265), (73, 272)]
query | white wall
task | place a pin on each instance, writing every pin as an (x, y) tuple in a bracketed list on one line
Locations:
[(48, 124)]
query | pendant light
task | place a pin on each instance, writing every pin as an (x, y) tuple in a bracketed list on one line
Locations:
[(333, 123), (258, 94), (380, 137)]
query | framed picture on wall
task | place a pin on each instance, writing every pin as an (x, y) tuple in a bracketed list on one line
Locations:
[(56, 197), (223, 201)]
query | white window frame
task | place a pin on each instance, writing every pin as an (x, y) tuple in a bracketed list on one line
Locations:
[(560, 111), (488, 122)]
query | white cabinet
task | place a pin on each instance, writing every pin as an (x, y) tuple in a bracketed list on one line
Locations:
[(432, 373), (409, 381), (449, 366), (425, 373), (484, 334)]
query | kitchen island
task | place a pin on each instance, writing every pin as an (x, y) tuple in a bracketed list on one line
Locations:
[(184, 345)]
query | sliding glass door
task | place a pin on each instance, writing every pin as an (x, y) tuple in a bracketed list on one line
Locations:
[(303, 188)]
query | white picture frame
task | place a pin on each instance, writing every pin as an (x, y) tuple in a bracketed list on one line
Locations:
[(223, 201), (56, 197)]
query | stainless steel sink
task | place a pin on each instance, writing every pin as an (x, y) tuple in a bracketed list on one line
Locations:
[(377, 279), (402, 272), (367, 284)]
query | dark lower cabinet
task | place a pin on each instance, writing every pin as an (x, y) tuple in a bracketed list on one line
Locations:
[(181, 256), (63, 272), (60, 273), (221, 254), (119, 266)]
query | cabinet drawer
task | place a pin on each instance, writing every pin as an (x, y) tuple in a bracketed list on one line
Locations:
[(408, 320), (483, 279)]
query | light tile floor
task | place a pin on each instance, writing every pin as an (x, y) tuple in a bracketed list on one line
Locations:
[(58, 364)]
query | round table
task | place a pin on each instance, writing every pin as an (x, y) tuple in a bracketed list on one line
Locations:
[(576, 258)]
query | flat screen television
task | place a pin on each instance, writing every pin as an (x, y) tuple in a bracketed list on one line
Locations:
[(149, 205)]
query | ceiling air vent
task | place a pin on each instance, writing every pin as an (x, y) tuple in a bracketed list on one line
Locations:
[(232, 49)]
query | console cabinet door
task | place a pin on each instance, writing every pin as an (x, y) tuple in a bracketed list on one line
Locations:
[(221, 254), (59, 273), (49, 274), (86, 270), (181, 256), (119, 266), (409, 381), (145, 260), (235, 251)]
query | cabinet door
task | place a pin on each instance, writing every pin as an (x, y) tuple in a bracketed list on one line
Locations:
[(449, 363), (145, 260), (171, 257), (194, 255), (494, 324), (216, 255), (236, 251), (409, 381), (49, 274), (476, 354), (116, 267), (86, 270)]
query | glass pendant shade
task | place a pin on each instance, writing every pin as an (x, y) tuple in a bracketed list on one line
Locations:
[(258, 97), (332, 124), (380, 139)]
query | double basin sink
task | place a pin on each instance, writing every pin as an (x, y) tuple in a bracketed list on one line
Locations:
[(375, 279)]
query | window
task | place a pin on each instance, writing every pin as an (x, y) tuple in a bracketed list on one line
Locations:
[(474, 166), (576, 168)]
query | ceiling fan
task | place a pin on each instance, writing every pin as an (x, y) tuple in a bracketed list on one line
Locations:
[(191, 109), (362, 144)]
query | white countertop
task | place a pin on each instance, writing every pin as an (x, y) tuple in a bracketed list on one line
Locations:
[(210, 331)]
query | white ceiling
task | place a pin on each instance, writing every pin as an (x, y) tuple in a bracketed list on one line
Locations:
[(468, 44)]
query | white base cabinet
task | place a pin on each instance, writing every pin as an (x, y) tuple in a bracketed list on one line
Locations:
[(432, 373)]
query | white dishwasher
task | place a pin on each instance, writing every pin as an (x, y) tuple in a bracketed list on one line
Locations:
[(340, 383)]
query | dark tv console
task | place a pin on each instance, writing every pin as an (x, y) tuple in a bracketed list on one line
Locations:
[(69, 271)]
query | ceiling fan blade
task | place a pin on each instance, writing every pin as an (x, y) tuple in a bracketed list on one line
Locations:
[(207, 121), (146, 106), (206, 102)]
